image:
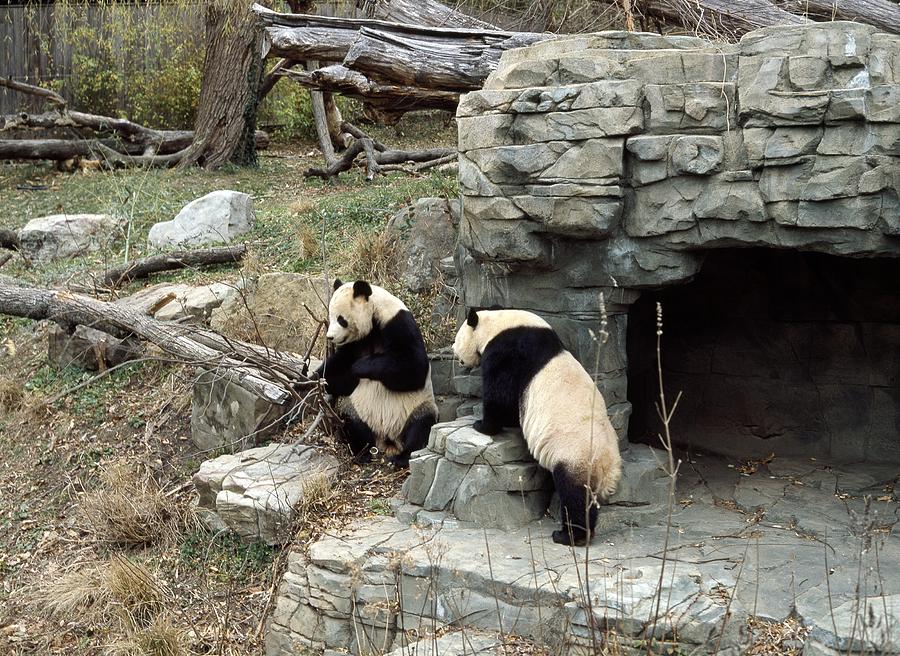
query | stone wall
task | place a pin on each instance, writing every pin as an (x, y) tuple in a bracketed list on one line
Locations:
[(614, 162)]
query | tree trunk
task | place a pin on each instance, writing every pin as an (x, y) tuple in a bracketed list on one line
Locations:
[(271, 375), (392, 53), (425, 12), (232, 72), (171, 261)]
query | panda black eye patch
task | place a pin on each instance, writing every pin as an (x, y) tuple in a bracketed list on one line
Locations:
[(342, 321)]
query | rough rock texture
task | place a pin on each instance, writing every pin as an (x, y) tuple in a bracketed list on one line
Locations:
[(254, 492), (274, 310), (610, 163), (89, 348), (749, 541), (226, 416), (490, 481), (61, 236), (493, 481), (218, 217), (197, 303), (426, 231), (152, 298)]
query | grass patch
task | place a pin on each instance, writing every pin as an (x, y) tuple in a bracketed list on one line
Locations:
[(225, 556)]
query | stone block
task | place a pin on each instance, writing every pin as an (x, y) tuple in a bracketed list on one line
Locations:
[(696, 155), (764, 101), (597, 158), (648, 148), (731, 201), (592, 218), (523, 75), (780, 183), (516, 164), (861, 212), (505, 241), (780, 146), (226, 416), (217, 217), (473, 182), (808, 73), (422, 465), (834, 177), (253, 493), (684, 107), (663, 207), (64, 236), (479, 208), (846, 139), (883, 103), (197, 303)]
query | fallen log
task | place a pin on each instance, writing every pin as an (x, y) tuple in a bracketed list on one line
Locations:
[(422, 12), (382, 157), (450, 59), (171, 261), (385, 97), (272, 376)]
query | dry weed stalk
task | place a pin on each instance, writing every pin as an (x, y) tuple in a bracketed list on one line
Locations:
[(128, 509), (670, 467)]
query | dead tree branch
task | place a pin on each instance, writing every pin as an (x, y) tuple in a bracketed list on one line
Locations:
[(272, 376), (24, 87), (170, 261)]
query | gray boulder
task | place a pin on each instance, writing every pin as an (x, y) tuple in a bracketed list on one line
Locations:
[(62, 236), (196, 302), (89, 348), (426, 231), (215, 218), (254, 493)]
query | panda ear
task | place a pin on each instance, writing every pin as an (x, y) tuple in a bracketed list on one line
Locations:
[(362, 288), (337, 283), (472, 319)]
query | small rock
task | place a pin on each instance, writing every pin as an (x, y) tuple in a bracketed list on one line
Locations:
[(215, 218), (254, 492), (64, 236), (427, 230), (196, 302)]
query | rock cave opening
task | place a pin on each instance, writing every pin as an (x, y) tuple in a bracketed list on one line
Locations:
[(774, 351)]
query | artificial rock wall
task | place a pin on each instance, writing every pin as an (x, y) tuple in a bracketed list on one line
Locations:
[(614, 162)]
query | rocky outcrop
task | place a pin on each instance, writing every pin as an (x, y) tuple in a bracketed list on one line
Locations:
[(426, 233), (255, 492), (610, 163), (63, 236), (216, 218)]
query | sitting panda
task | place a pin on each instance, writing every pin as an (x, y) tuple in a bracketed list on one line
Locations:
[(531, 380), (379, 371)]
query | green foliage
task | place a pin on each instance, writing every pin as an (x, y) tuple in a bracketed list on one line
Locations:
[(89, 401), (225, 555), (143, 62)]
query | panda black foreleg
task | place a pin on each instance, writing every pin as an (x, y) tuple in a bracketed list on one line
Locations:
[(491, 421), (360, 438), (579, 513), (415, 437)]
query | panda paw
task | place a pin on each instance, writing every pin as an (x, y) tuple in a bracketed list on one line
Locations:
[(565, 538), (485, 428), (399, 462)]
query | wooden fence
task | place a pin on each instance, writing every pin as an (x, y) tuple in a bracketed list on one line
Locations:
[(38, 41)]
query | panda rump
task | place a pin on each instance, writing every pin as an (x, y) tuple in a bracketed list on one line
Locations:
[(531, 380)]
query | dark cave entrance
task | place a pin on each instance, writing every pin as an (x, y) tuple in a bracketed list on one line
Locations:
[(774, 351)]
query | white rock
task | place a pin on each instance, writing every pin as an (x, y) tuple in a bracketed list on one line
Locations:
[(62, 236), (196, 302), (215, 218)]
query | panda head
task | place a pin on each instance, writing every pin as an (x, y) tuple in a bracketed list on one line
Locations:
[(465, 346), (350, 313)]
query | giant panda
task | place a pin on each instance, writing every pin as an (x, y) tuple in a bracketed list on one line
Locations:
[(531, 380), (379, 371)]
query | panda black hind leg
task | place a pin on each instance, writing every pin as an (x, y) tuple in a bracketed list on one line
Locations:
[(576, 508), (414, 437), (360, 438)]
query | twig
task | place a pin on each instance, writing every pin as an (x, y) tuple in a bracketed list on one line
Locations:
[(175, 260), (33, 90), (4, 258)]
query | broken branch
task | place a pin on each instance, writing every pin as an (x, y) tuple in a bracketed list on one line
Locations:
[(170, 261)]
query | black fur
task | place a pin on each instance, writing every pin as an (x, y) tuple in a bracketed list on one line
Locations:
[(576, 507), (414, 437), (393, 354), (508, 364)]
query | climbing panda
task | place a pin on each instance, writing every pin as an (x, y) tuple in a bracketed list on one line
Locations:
[(379, 371), (531, 380)]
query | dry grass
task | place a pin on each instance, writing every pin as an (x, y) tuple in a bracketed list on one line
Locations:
[(306, 243), (128, 509), (161, 638), (10, 395), (80, 593), (374, 256), (782, 638)]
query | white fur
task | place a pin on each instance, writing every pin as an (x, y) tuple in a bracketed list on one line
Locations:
[(470, 344), (563, 415), (359, 312), (385, 412)]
